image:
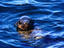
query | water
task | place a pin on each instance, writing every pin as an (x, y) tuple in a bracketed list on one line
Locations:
[(48, 14)]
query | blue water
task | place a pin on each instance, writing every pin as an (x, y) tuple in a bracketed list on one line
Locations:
[(48, 14)]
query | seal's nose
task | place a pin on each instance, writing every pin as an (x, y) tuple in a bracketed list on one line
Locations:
[(22, 26)]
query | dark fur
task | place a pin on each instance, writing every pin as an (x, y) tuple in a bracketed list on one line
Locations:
[(31, 26)]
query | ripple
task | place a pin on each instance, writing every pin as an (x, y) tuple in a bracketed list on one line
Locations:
[(57, 45), (47, 15)]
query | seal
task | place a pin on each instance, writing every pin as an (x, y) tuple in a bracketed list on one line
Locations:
[(25, 26)]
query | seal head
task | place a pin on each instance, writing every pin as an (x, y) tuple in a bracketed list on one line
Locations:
[(25, 23)]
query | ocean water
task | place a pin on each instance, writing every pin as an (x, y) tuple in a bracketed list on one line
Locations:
[(48, 14)]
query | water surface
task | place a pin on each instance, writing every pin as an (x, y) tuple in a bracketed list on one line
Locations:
[(48, 14)]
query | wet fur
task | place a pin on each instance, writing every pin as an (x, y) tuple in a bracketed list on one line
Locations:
[(29, 29)]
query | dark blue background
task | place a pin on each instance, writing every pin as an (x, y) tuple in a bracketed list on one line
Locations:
[(48, 14)]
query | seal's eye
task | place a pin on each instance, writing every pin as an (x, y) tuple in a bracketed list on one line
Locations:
[(25, 23), (20, 23)]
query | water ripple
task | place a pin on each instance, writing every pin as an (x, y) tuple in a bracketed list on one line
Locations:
[(48, 15)]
